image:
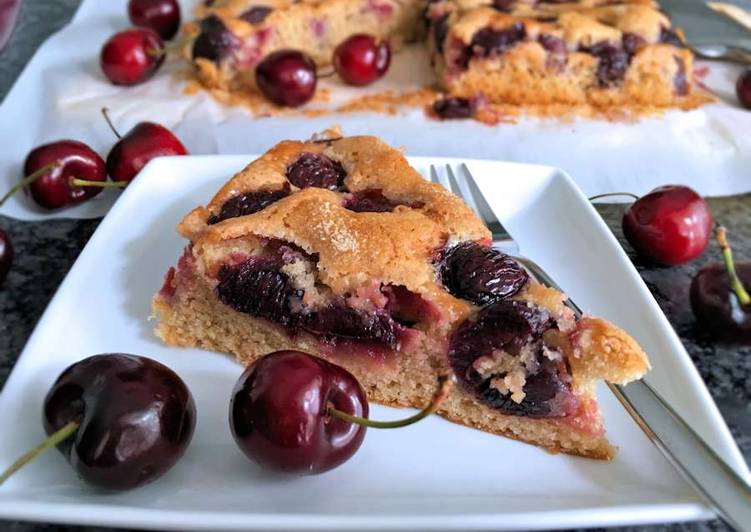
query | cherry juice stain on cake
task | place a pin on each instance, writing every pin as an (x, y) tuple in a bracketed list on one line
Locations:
[(317, 26), (185, 264), (381, 8)]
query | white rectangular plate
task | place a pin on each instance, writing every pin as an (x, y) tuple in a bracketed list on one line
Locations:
[(433, 475)]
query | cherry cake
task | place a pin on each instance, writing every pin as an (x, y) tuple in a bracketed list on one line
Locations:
[(600, 53), (230, 37), (337, 247)]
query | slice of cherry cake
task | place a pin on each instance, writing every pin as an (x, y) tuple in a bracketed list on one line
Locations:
[(339, 248)]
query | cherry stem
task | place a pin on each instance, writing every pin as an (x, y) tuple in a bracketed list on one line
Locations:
[(445, 383), (62, 434), (29, 179), (727, 255), (326, 74), (611, 194), (103, 184), (106, 113)]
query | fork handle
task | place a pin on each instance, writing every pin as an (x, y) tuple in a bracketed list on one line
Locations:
[(724, 489), (739, 55)]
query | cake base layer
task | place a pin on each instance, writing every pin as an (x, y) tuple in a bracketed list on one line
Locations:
[(190, 315)]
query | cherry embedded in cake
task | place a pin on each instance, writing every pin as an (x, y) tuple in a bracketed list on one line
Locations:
[(317, 246)]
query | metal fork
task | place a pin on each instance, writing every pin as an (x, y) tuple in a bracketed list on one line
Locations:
[(719, 485)]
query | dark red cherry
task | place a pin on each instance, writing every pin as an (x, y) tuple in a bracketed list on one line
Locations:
[(215, 42), (287, 77), (144, 142), (162, 16), (6, 255), (316, 170), (132, 56), (480, 274), (279, 413), (258, 287), (136, 418), (71, 160), (671, 225), (743, 89), (248, 203), (362, 59), (515, 329), (716, 306)]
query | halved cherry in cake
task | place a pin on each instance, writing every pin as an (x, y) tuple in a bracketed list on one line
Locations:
[(613, 62), (480, 274), (248, 203), (375, 320), (373, 200), (215, 41), (453, 107), (491, 41), (295, 413), (502, 357), (258, 287), (316, 170)]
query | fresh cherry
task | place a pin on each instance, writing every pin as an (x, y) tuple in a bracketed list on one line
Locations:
[(361, 59), (295, 413), (141, 144), (121, 421), (55, 172), (743, 89), (287, 77), (162, 16), (719, 297), (132, 56), (671, 225), (6, 255)]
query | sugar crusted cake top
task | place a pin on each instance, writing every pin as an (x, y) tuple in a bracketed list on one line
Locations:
[(381, 221)]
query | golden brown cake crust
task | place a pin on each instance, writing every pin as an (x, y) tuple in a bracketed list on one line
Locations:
[(351, 256)]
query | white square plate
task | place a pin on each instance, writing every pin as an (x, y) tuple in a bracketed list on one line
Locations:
[(433, 475)]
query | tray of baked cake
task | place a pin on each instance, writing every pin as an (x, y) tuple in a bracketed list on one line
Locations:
[(610, 91)]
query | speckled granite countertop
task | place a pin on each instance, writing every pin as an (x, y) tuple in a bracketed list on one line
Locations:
[(45, 252)]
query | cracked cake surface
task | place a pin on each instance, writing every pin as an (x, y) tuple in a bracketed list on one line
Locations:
[(339, 248)]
